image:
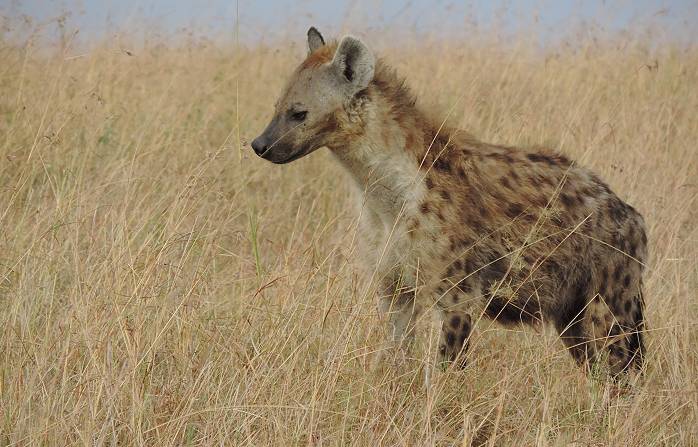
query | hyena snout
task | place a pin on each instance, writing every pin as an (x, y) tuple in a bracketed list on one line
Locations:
[(273, 145), (260, 145), (268, 143)]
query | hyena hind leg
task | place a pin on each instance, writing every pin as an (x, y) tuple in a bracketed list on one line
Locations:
[(454, 339), (619, 336), (607, 335)]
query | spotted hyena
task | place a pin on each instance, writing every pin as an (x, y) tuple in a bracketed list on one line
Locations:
[(520, 236)]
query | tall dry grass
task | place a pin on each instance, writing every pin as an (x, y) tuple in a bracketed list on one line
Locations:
[(160, 285)]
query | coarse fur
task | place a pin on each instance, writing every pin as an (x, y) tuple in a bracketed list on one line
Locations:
[(520, 236)]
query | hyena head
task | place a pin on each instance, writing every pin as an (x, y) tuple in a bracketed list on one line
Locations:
[(314, 106)]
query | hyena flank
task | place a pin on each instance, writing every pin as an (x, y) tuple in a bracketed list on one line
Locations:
[(470, 228)]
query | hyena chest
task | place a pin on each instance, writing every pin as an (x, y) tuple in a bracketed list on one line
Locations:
[(401, 244), (397, 239)]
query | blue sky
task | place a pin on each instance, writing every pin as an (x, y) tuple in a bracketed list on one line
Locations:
[(268, 20)]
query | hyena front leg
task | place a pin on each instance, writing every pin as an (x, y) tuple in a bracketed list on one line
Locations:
[(398, 305), (454, 339), (456, 299)]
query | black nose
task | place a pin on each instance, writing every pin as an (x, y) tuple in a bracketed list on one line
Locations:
[(259, 145)]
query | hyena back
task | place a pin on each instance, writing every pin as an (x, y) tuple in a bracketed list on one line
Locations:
[(520, 236)]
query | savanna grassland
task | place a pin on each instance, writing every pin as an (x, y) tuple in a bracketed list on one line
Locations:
[(161, 285)]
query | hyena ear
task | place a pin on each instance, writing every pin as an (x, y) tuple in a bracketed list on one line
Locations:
[(315, 39), (354, 63)]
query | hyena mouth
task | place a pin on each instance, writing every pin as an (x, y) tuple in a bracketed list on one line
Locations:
[(284, 158), (277, 160)]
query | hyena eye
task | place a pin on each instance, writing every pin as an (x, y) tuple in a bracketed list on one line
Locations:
[(299, 116)]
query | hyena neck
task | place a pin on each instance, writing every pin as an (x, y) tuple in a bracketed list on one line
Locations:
[(383, 159)]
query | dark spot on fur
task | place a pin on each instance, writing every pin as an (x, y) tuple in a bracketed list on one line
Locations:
[(599, 185), (617, 210), (617, 272), (450, 338), (455, 322), (514, 210), (476, 225), (461, 172), (603, 288), (470, 265), (505, 182), (442, 165), (628, 306), (430, 183), (445, 195), (536, 158), (626, 280), (424, 208), (551, 160), (633, 249), (567, 200), (494, 269), (464, 286)]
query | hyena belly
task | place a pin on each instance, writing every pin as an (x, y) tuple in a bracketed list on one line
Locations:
[(533, 239)]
